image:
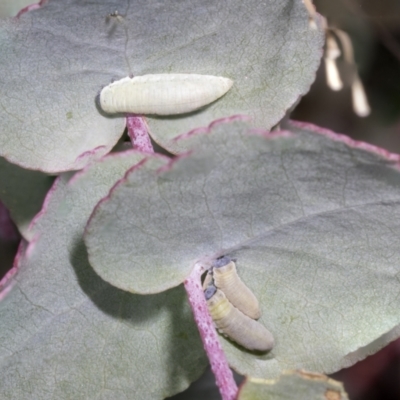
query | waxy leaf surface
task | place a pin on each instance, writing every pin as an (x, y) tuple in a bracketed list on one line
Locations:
[(56, 59), (67, 334), (312, 219)]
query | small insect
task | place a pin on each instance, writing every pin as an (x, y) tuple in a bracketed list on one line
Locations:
[(162, 94), (226, 278), (116, 16), (234, 324)]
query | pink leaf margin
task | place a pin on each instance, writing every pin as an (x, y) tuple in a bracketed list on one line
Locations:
[(26, 248), (31, 7), (339, 137)]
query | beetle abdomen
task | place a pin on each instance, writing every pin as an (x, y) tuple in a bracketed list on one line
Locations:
[(237, 326), (227, 279)]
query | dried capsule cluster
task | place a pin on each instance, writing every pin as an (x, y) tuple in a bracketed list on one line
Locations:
[(234, 307)]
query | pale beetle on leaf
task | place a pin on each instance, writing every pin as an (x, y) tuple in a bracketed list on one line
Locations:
[(232, 323), (162, 94), (224, 276)]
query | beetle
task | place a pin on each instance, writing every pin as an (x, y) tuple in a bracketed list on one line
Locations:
[(115, 15), (162, 94), (225, 277), (237, 326)]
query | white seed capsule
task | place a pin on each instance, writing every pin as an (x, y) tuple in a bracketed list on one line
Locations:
[(162, 94), (237, 326), (226, 278)]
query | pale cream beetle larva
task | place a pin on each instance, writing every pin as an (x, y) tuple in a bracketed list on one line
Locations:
[(162, 94), (226, 278), (234, 324)]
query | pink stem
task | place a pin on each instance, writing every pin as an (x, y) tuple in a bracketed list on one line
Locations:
[(138, 132), (219, 364)]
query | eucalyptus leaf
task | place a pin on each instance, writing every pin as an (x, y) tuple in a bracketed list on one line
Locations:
[(9, 8), (48, 102), (22, 192), (313, 221), (67, 334), (67, 50)]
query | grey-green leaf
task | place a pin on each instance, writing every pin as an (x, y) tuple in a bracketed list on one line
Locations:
[(66, 51), (9, 8), (52, 68), (312, 219), (22, 191), (67, 334)]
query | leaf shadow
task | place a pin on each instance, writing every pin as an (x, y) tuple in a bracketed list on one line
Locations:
[(112, 300), (180, 338)]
